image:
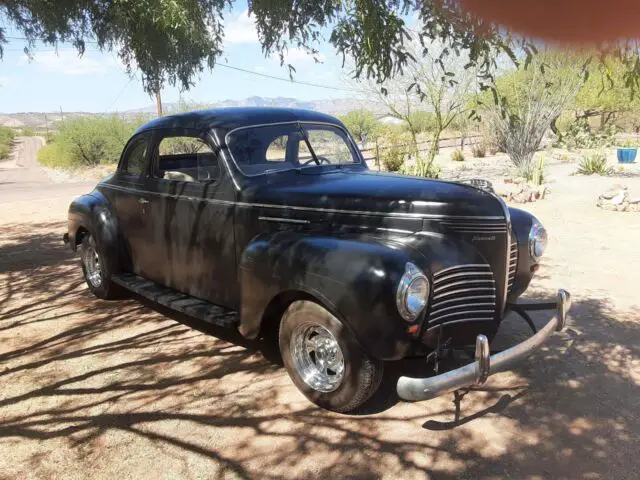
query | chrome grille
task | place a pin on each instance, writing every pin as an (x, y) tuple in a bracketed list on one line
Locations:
[(475, 225), (513, 264), (462, 293)]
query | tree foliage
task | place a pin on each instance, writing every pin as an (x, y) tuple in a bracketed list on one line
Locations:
[(173, 40), (6, 137), (87, 142), (361, 123)]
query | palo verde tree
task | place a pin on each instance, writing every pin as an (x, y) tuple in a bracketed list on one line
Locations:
[(435, 82), (361, 123)]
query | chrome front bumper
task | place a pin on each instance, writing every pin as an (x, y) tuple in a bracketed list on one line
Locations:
[(476, 373)]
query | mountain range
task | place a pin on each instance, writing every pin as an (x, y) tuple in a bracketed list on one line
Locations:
[(332, 106)]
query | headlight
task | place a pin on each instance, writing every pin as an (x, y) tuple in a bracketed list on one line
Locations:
[(537, 241), (412, 293)]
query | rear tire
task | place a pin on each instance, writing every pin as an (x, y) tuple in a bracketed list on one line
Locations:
[(323, 359), (97, 270)]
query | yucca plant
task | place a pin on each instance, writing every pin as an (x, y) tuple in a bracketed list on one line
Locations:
[(594, 163)]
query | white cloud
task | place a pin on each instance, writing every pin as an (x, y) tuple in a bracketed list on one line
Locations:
[(64, 61), (241, 29), (4, 81), (298, 56)]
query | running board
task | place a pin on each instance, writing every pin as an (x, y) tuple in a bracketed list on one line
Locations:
[(177, 301)]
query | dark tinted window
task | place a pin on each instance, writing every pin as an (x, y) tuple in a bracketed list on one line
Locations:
[(186, 159), (136, 156)]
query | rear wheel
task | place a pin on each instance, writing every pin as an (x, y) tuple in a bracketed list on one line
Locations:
[(324, 360), (96, 269)]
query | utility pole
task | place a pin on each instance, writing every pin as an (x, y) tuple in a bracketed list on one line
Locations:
[(158, 103), (61, 114)]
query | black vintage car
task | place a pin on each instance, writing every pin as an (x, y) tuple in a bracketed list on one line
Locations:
[(268, 220)]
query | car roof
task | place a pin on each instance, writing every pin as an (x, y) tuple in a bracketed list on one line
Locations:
[(234, 117)]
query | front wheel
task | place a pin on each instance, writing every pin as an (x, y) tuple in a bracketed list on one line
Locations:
[(324, 360), (96, 269)]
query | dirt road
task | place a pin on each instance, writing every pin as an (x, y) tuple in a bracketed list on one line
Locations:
[(94, 389), (22, 179)]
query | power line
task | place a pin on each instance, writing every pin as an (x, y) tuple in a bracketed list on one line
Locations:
[(120, 94), (288, 80), (224, 65)]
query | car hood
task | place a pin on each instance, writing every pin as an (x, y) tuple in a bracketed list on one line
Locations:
[(375, 192)]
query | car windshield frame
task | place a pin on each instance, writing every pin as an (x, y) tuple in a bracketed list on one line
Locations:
[(302, 125)]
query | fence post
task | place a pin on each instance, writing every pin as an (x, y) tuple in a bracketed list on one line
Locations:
[(377, 155)]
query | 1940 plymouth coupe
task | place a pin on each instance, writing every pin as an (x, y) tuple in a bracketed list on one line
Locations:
[(269, 220)]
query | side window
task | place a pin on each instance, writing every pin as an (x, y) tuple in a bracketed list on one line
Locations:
[(186, 159), (135, 157), (277, 149)]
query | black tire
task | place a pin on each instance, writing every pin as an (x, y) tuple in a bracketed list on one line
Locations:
[(362, 373), (101, 286)]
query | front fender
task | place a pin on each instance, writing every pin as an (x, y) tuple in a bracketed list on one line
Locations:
[(93, 212), (354, 277), (522, 222)]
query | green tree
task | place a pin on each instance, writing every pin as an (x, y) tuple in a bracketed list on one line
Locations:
[(361, 123), (6, 138), (604, 94), (433, 88), (87, 141), (172, 40)]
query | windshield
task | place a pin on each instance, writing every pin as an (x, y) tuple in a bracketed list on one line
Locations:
[(269, 148)]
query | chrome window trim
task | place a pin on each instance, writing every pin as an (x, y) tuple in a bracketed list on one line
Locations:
[(284, 220), (293, 122)]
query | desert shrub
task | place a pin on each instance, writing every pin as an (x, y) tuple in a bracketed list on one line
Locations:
[(6, 137), (479, 150), (457, 156), (628, 143), (27, 132), (594, 163), (580, 135), (395, 147), (87, 141), (393, 159)]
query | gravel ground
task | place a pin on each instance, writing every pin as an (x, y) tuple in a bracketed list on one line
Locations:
[(95, 389)]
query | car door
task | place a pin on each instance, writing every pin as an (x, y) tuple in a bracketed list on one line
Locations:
[(127, 192), (193, 219)]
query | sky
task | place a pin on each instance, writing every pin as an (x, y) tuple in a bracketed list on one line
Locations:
[(98, 82)]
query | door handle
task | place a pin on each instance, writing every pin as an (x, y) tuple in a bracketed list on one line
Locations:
[(143, 201)]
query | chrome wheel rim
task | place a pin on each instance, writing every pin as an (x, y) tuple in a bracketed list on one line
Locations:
[(92, 267), (317, 357)]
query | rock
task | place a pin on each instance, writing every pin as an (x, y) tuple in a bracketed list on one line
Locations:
[(633, 200), (619, 198), (614, 191)]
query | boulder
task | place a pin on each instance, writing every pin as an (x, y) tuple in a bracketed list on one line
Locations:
[(617, 199)]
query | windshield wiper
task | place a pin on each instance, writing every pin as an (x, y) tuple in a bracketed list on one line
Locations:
[(306, 140)]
